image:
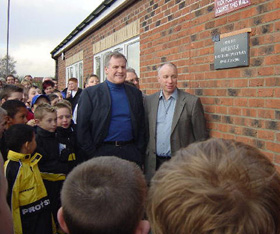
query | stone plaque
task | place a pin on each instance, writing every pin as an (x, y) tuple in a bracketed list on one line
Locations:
[(225, 6), (232, 51)]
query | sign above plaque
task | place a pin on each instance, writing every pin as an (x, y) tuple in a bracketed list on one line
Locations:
[(232, 51), (226, 6)]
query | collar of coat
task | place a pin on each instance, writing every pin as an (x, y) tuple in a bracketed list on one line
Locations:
[(32, 159)]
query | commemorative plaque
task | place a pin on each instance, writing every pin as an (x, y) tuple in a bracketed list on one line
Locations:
[(232, 51)]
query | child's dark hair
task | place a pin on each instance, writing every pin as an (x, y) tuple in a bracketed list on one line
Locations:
[(52, 96), (12, 107), (17, 135), (7, 90)]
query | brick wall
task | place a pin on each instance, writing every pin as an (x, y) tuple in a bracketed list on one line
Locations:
[(240, 103), (60, 72)]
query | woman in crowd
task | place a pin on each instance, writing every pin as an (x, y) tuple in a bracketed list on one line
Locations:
[(48, 87)]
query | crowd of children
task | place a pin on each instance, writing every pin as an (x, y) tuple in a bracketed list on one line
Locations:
[(38, 145)]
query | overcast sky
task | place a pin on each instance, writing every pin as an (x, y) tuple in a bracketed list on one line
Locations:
[(36, 28)]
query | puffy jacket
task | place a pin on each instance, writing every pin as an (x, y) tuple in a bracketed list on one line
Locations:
[(27, 195)]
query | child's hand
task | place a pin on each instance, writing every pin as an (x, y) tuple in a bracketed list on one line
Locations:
[(68, 94), (31, 122)]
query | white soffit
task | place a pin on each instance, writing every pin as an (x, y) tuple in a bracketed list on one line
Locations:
[(115, 7)]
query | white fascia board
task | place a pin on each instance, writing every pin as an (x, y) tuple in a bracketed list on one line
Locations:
[(110, 10)]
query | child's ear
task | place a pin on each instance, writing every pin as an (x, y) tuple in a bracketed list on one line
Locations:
[(3, 100), (61, 220), (9, 121), (25, 147), (26, 144), (37, 121), (143, 227)]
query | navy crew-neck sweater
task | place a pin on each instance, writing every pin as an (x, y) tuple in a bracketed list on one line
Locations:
[(120, 126)]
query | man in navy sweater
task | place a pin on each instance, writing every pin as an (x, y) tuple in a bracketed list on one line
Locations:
[(110, 119)]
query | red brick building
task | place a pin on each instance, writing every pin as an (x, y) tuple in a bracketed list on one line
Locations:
[(241, 103)]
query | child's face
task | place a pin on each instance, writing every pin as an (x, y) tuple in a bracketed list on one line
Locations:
[(48, 122), (32, 92), (54, 101), (20, 116), (92, 81), (63, 117), (49, 90), (60, 97)]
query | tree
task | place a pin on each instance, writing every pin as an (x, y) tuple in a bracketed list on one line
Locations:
[(11, 66)]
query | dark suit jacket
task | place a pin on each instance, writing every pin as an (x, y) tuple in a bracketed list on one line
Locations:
[(74, 100), (94, 116), (188, 126)]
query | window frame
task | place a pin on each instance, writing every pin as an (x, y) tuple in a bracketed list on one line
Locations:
[(77, 70), (122, 47)]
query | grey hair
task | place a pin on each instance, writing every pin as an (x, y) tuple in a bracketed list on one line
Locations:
[(114, 54), (132, 70)]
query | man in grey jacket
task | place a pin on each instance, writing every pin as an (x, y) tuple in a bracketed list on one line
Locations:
[(174, 119)]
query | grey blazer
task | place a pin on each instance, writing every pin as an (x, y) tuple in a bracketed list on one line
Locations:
[(188, 126)]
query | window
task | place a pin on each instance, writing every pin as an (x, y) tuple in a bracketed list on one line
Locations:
[(97, 65), (76, 71), (131, 50)]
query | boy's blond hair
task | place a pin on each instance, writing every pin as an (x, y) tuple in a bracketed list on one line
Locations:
[(216, 186), (63, 104), (42, 109)]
